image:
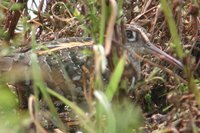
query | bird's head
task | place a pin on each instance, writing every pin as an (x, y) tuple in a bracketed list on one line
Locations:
[(137, 40)]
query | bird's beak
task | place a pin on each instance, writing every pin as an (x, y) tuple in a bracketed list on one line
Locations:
[(156, 51)]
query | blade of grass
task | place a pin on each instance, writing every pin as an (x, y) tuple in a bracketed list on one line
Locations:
[(83, 117), (110, 27), (105, 107), (115, 79), (102, 22), (172, 27), (39, 84)]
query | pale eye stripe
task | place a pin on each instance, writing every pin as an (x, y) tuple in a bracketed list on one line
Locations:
[(143, 35)]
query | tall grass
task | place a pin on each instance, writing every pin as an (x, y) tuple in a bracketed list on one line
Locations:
[(179, 49)]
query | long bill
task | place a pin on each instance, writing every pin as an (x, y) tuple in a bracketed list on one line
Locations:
[(158, 52)]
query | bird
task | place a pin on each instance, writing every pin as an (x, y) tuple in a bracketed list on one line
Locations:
[(62, 68)]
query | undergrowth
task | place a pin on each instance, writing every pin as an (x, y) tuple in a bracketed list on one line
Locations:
[(106, 113)]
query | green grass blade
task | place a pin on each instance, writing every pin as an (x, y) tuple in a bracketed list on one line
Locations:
[(38, 83), (82, 115), (173, 29), (115, 79), (105, 108)]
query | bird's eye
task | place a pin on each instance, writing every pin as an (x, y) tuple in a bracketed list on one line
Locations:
[(131, 36)]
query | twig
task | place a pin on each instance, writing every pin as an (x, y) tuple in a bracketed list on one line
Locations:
[(31, 102), (140, 15), (67, 20)]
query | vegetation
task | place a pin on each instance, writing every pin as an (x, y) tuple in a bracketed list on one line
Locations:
[(162, 93)]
